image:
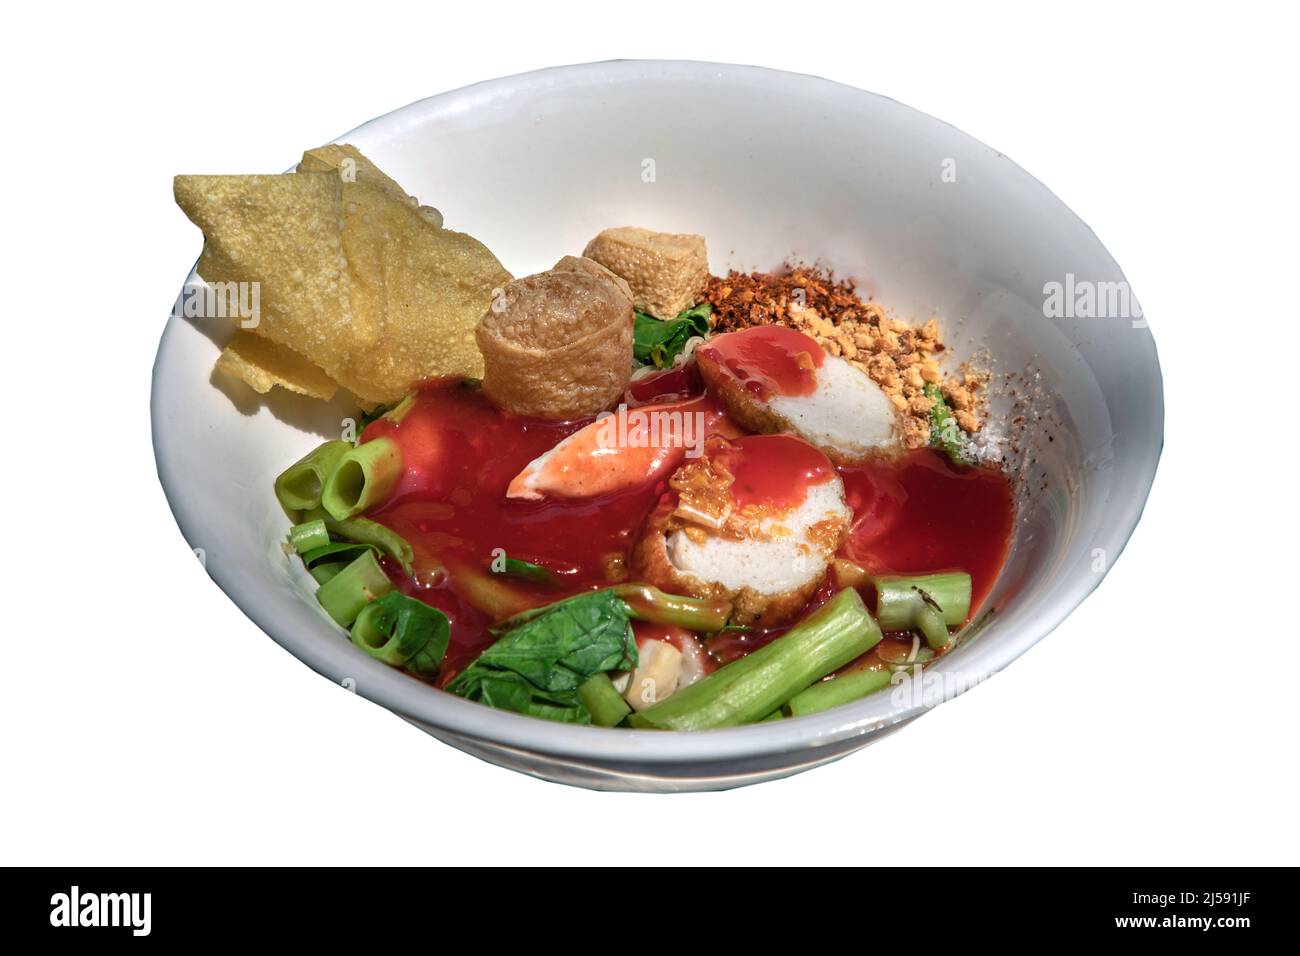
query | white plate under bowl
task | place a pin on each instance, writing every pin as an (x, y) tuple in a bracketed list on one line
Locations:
[(765, 165)]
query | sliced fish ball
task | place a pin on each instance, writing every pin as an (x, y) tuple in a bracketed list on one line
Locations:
[(848, 416), (789, 562), (774, 379), (756, 521)]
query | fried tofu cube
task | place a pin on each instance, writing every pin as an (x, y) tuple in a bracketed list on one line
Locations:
[(666, 271)]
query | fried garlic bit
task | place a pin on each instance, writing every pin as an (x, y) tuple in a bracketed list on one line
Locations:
[(359, 285)]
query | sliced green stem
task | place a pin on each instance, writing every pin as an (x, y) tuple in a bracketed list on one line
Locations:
[(931, 624), (643, 602), (849, 574), (603, 701), (363, 478), (648, 603), (524, 570), (843, 689), (345, 594), (487, 592), (749, 689), (323, 572), (365, 531), (899, 599), (309, 536), (299, 486)]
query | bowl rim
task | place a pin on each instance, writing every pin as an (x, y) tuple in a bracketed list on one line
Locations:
[(413, 699)]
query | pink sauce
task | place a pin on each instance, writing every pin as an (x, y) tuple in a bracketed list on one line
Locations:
[(765, 360)]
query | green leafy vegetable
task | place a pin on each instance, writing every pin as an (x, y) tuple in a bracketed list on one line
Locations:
[(945, 433), (538, 666), (657, 343), (403, 632)]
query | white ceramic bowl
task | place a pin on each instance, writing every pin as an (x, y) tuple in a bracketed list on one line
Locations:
[(765, 165)]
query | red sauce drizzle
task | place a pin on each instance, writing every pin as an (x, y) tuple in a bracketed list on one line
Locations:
[(766, 360), (918, 514), (670, 385), (912, 514), (459, 454), (773, 470)]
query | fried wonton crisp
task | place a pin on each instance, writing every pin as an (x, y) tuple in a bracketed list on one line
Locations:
[(355, 278), (263, 364)]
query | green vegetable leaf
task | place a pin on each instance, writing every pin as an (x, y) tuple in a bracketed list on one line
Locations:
[(506, 690), (657, 343), (537, 667), (404, 632), (945, 433)]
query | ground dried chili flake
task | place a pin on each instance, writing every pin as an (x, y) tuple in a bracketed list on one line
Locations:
[(741, 300)]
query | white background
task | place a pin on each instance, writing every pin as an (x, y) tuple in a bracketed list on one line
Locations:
[(143, 719)]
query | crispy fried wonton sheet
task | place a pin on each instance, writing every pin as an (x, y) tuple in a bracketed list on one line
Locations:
[(263, 364), (355, 278)]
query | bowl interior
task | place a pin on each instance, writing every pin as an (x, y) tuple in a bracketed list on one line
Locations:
[(766, 165)]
